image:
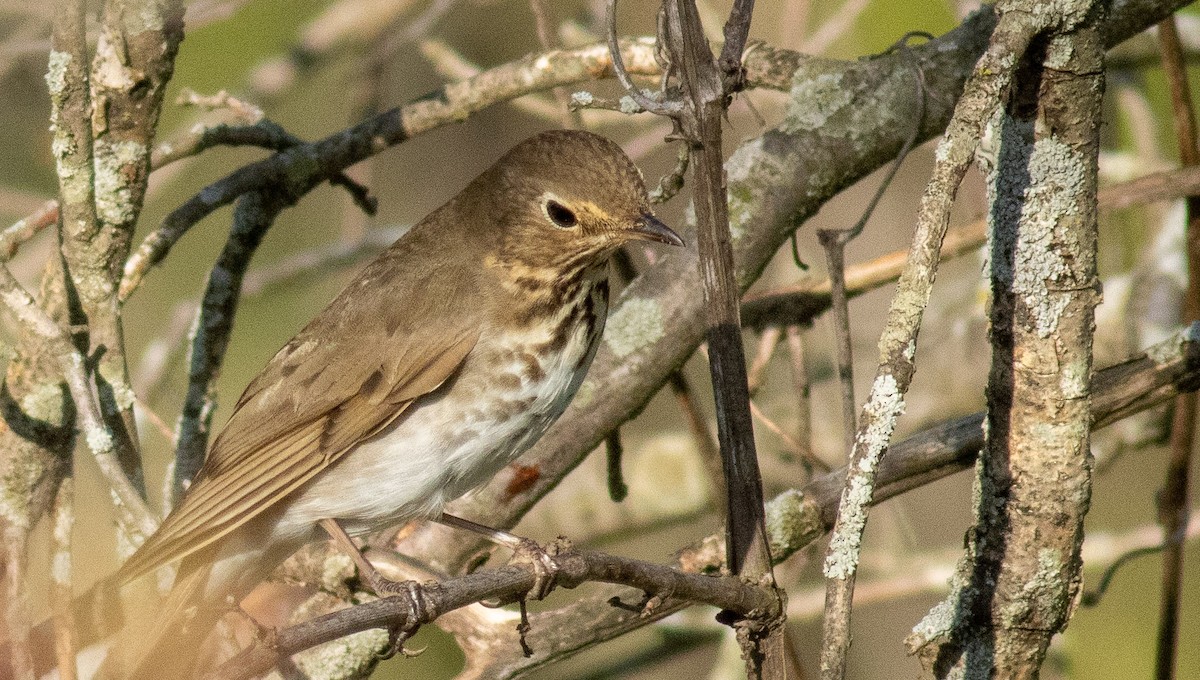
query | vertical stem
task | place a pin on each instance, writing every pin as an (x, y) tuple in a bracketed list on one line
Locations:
[(746, 548), (16, 605), (65, 638), (1173, 505)]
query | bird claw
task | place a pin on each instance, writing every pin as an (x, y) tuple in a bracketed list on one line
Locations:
[(419, 611), (545, 569)]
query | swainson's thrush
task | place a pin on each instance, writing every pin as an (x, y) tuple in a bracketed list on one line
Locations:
[(445, 359)]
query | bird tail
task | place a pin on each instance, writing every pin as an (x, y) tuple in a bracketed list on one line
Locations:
[(166, 641)]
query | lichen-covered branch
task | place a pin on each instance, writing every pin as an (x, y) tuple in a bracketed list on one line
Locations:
[(1016, 586), (897, 345)]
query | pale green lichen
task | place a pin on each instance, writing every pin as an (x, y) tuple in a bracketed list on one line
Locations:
[(114, 203), (348, 657), (582, 98), (336, 570), (1171, 349), (792, 523), (44, 402), (56, 73), (635, 325), (937, 623), (813, 100), (628, 105), (1030, 220)]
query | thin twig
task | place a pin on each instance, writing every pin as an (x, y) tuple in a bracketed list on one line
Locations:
[(835, 241), (506, 583), (61, 579), (667, 107), (710, 455), (617, 488), (803, 389), (26, 228), (254, 214), (571, 118), (131, 507), (1173, 500), (767, 342)]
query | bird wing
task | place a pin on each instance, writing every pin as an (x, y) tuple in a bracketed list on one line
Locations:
[(350, 373)]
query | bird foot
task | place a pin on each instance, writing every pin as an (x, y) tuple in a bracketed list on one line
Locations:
[(420, 610), (545, 569)]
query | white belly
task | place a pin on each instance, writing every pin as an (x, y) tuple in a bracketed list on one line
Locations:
[(413, 468)]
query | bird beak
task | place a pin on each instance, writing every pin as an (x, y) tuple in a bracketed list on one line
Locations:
[(649, 227)]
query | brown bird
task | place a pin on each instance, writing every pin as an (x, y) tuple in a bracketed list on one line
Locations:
[(445, 359)]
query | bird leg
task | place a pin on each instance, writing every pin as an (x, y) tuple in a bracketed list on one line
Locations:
[(545, 570), (411, 591)]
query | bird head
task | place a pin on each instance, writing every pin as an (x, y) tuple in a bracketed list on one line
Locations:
[(568, 197)]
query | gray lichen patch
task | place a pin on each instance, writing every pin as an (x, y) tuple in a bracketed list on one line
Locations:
[(792, 523), (751, 170), (635, 325), (884, 406), (1170, 350), (1034, 187), (813, 100), (44, 402), (114, 204), (56, 74)]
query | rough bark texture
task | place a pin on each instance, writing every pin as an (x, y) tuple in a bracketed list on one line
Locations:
[(1017, 586)]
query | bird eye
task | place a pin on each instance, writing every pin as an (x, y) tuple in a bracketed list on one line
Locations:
[(561, 215)]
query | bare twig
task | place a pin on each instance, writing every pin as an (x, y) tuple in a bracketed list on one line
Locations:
[(26, 228), (803, 387), (617, 489), (254, 214), (1173, 501), (571, 118), (710, 455), (665, 107), (767, 342)]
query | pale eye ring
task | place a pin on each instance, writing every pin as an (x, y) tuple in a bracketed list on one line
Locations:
[(560, 215)]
